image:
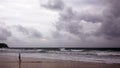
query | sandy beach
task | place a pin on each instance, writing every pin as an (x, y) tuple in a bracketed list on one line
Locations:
[(12, 62), (69, 65)]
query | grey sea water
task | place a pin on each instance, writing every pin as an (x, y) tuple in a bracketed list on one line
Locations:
[(99, 56)]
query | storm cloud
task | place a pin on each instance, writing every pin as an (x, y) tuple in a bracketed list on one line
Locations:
[(55, 22), (111, 26), (54, 5), (4, 32), (29, 32), (70, 19)]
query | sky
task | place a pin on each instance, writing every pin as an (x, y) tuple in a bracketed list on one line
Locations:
[(60, 23)]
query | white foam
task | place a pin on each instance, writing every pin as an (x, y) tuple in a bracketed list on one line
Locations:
[(85, 56), (74, 57)]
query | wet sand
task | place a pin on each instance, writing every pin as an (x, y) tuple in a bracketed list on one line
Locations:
[(69, 65), (9, 62)]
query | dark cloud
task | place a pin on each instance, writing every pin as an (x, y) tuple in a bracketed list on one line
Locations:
[(69, 20), (111, 25), (56, 34), (29, 32), (54, 5), (88, 2), (4, 32), (22, 29)]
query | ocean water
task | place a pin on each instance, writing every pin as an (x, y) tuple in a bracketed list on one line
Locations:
[(99, 56)]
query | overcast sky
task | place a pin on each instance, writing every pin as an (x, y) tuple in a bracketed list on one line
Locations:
[(60, 23)]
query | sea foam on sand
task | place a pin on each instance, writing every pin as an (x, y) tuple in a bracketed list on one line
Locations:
[(84, 56), (100, 57)]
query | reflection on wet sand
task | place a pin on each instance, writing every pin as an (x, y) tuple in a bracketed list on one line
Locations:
[(8, 65), (69, 65), (7, 61), (59, 65)]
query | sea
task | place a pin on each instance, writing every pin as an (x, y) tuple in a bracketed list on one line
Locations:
[(97, 55)]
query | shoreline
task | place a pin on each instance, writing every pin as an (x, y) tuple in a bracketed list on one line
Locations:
[(28, 62), (51, 57), (45, 60)]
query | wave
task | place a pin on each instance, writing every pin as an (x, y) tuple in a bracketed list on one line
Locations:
[(105, 56)]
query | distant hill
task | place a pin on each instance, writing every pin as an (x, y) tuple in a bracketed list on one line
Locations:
[(3, 45)]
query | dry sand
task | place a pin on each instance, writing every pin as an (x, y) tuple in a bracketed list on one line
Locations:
[(9, 62)]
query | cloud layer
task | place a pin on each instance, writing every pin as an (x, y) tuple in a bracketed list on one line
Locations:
[(70, 20), (111, 25), (106, 23), (4, 32), (30, 32), (80, 23)]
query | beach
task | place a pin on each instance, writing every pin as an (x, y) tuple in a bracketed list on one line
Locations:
[(27, 62), (65, 64), (57, 64), (10, 58)]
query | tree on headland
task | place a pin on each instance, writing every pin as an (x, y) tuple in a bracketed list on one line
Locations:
[(3, 45)]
